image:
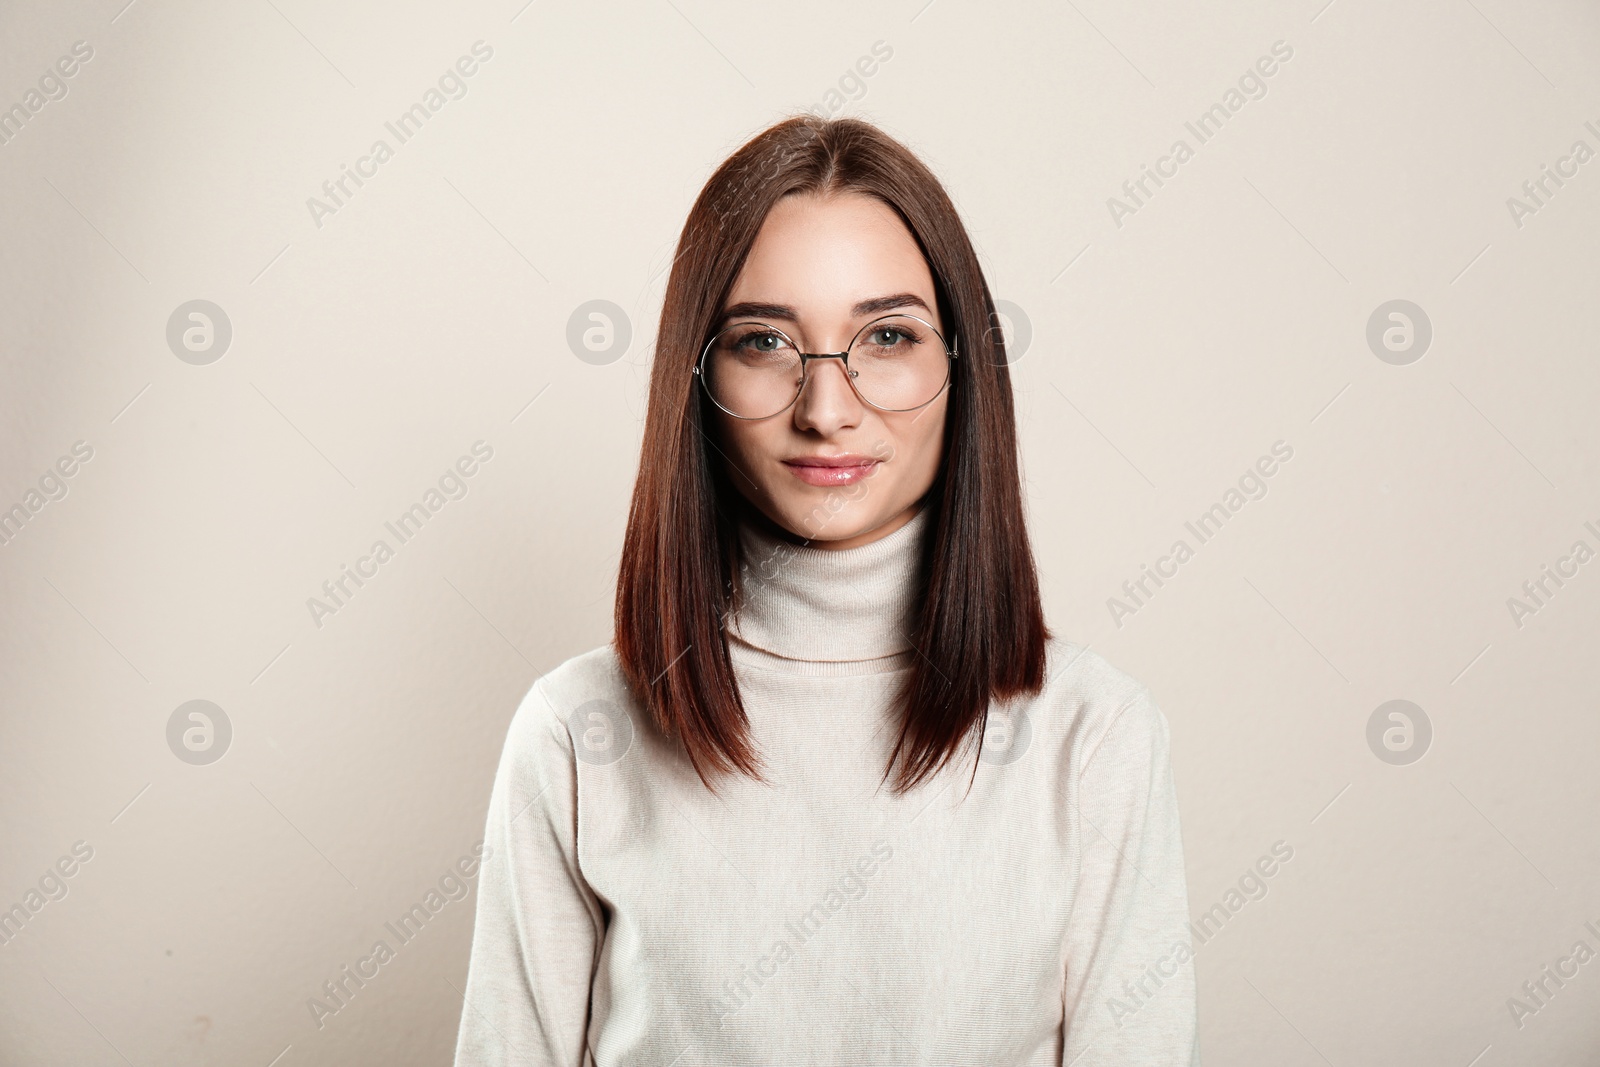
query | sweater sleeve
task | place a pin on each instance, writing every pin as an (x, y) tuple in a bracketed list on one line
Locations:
[(1129, 992), (538, 924)]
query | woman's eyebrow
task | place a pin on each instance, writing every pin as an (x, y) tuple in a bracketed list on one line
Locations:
[(889, 303), (755, 309)]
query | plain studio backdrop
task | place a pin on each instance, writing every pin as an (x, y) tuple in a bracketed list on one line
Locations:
[(1371, 270)]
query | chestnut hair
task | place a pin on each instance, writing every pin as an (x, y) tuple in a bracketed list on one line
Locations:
[(980, 630)]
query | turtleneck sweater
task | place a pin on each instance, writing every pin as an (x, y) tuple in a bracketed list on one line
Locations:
[(1033, 913)]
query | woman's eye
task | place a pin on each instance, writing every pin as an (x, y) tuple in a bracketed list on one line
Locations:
[(888, 337)]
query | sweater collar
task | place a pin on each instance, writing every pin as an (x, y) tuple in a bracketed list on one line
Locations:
[(829, 605)]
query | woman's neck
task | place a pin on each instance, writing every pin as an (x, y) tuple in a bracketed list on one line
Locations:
[(840, 604)]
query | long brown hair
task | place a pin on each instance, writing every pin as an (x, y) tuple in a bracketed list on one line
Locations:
[(980, 633)]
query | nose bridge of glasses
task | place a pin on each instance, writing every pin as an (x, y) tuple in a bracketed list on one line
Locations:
[(843, 357), (809, 370)]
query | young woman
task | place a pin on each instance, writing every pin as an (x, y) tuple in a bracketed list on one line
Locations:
[(834, 794)]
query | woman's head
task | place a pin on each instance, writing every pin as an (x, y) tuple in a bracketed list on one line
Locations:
[(818, 229), (848, 457)]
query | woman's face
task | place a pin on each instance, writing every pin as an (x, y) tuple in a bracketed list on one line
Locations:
[(823, 267)]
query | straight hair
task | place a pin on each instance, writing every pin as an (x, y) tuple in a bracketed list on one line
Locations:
[(979, 631)]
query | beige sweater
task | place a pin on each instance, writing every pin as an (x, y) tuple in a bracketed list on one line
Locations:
[(626, 916)]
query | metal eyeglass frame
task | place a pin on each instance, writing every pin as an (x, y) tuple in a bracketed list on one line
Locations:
[(805, 358)]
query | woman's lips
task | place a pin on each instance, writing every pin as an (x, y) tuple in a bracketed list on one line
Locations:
[(842, 471)]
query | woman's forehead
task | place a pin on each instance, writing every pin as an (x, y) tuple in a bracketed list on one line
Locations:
[(842, 256)]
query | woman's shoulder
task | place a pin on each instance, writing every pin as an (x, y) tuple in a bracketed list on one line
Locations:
[(1091, 696), (592, 675), (580, 688)]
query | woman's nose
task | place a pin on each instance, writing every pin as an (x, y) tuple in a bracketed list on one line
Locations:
[(828, 402)]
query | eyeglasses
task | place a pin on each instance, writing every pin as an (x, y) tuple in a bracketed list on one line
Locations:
[(754, 371)]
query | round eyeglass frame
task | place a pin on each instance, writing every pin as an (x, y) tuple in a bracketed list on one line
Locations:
[(806, 357)]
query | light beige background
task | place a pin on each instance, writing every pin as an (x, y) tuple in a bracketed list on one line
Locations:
[(429, 312)]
